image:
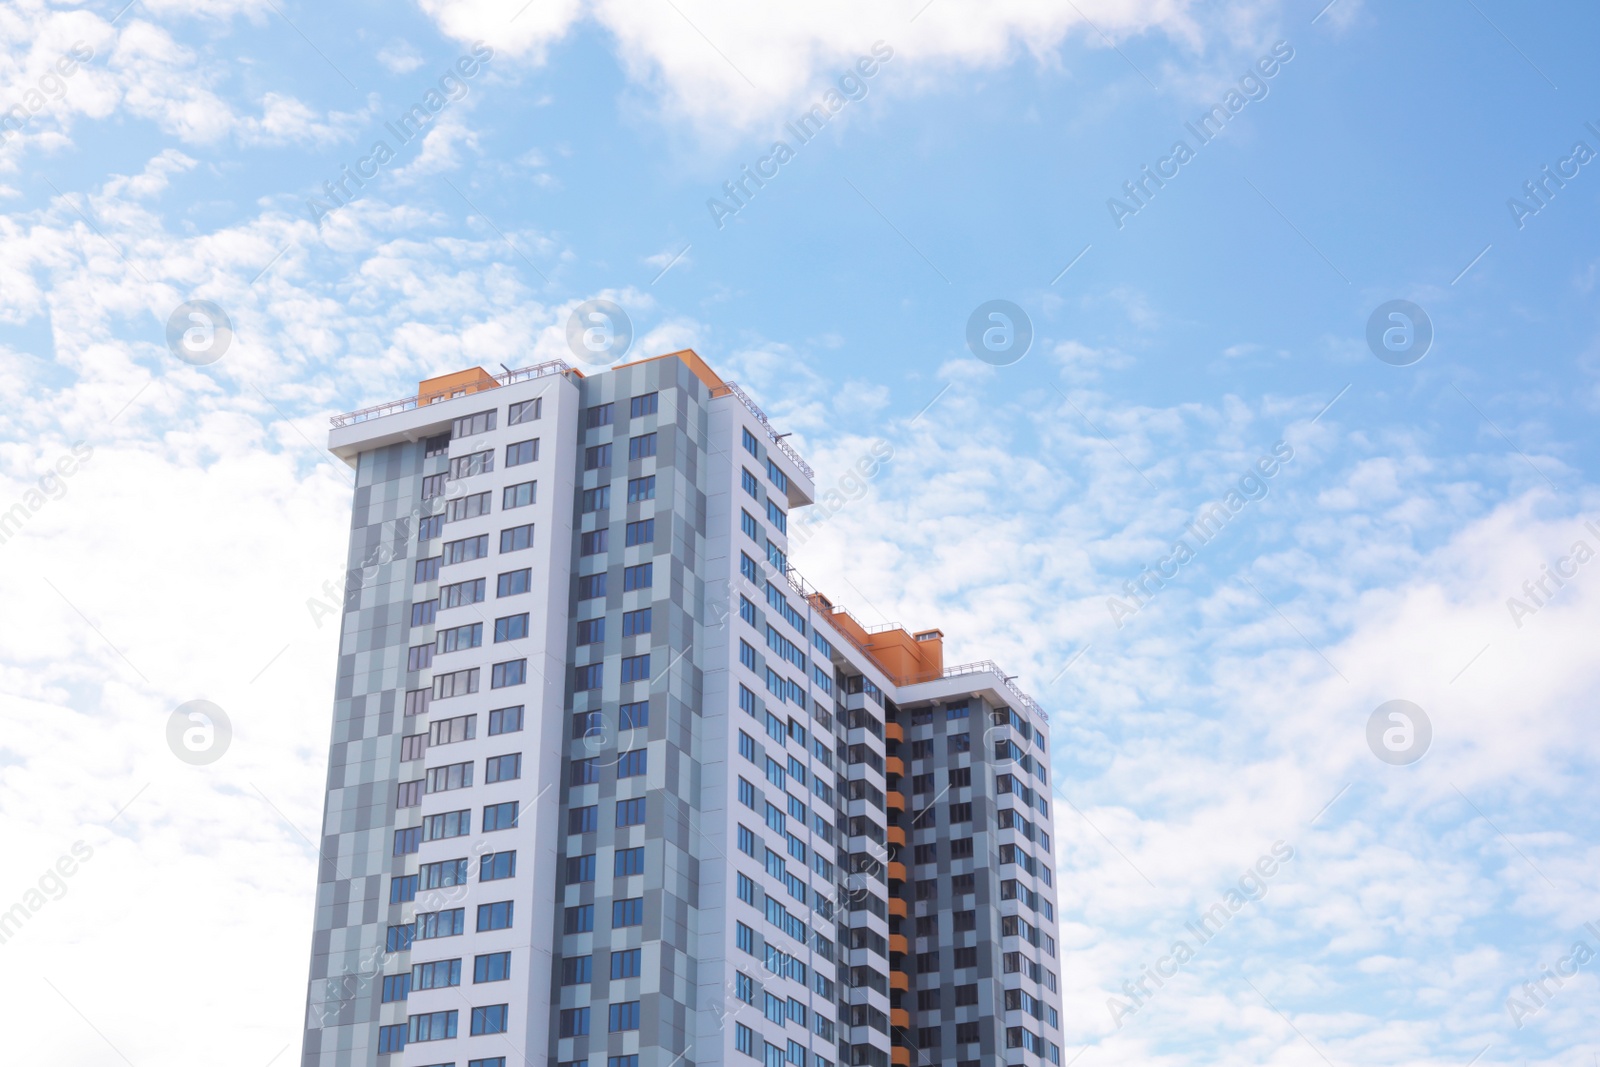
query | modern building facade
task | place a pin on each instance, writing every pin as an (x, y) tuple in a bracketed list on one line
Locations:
[(610, 786)]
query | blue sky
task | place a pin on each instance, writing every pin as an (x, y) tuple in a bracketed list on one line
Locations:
[(1227, 315)]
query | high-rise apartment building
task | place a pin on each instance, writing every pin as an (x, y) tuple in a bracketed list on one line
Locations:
[(610, 786)]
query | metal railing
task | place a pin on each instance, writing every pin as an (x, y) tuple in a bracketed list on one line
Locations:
[(772, 435), (395, 407), (985, 666)]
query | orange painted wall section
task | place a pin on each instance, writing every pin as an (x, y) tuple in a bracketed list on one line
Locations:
[(905, 657), (697, 366), (445, 386)]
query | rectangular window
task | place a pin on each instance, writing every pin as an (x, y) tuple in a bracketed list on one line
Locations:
[(596, 456), (636, 622), (392, 1038), (407, 841), (472, 464), (627, 861), (748, 567), (584, 771), (429, 527), (468, 507), (501, 816), (470, 425), (597, 416), (593, 543), (596, 499), (778, 478), (513, 672), (748, 523), (636, 668), (502, 768), (634, 715), (444, 874), (496, 916), (433, 486), (524, 411), (522, 452), (427, 570), (632, 764), (447, 824), (747, 701), (639, 577), (400, 937), (748, 481), (629, 912), (574, 1022), (517, 538), (450, 776), (460, 637), (641, 489), (419, 657), (642, 447), (750, 445), (494, 967), (432, 924), (641, 533), (461, 593), (591, 586), (424, 613), (631, 812), (776, 516), (455, 684), (511, 628), (625, 964), (505, 720), (466, 550), (439, 974), (643, 405), (578, 919), (591, 631), (518, 496), (625, 1016), (577, 970), (584, 820), (588, 677), (497, 865), (403, 890)]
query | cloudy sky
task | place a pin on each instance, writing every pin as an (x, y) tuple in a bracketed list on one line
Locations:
[(1187, 333)]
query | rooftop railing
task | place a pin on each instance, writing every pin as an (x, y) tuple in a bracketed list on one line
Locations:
[(395, 407), (761, 417)]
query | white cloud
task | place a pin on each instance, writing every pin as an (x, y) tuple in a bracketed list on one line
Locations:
[(400, 57)]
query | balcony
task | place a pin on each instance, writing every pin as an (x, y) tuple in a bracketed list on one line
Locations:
[(895, 800), (898, 943), (899, 1018), (897, 872), (897, 836), (899, 980), (893, 731), (898, 907), (894, 765), (900, 1056)]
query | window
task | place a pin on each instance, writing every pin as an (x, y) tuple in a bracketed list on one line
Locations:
[(639, 577), (511, 628), (960, 777), (627, 861), (518, 496), (747, 746), (632, 764), (433, 486), (629, 912), (466, 550), (625, 1016), (596, 456), (597, 416), (636, 622), (407, 841), (591, 631), (776, 516), (459, 637), (634, 715), (432, 924), (747, 654), (961, 812), (746, 886), (596, 499), (625, 964), (747, 523), (427, 570), (747, 610), (400, 937), (505, 720), (748, 567), (641, 533), (494, 967), (744, 1038), (747, 701), (502, 768), (496, 916), (440, 974), (587, 677), (468, 425), (392, 1038), (642, 447), (447, 824), (574, 1022), (588, 724), (500, 1061), (497, 865), (622, 1061), (424, 613), (468, 507), (643, 405), (778, 478), (500, 816), (455, 730), (488, 1019), (593, 543), (417, 701), (744, 938), (472, 464), (641, 489), (524, 411), (513, 672), (461, 593), (522, 452), (749, 440), (636, 668), (966, 994), (517, 538), (578, 919), (429, 527), (961, 848), (584, 820), (631, 812), (514, 582), (584, 771), (450, 776), (403, 890), (591, 586), (748, 481), (408, 794), (577, 970)]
